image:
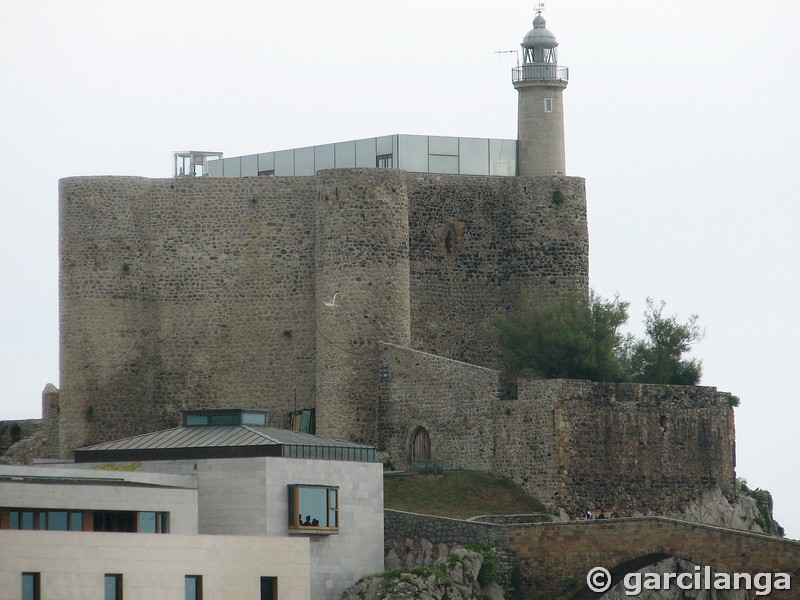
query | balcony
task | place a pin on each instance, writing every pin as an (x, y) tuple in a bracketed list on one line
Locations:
[(543, 72)]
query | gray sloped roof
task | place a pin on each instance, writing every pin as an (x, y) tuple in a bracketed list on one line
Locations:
[(224, 441)]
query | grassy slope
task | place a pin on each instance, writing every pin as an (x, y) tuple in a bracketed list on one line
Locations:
[(458, 494)]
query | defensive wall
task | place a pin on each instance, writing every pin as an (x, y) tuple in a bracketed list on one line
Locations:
[(210, 292), (555, 558), (576, 445)]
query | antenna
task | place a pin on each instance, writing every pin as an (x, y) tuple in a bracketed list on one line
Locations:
[(515, 52)]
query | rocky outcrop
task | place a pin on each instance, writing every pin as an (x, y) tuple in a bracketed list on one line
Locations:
[(749, 510), (441, 574)]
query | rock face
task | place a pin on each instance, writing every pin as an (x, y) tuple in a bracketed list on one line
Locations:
[(749, 510), (673, 565), (453, 576)]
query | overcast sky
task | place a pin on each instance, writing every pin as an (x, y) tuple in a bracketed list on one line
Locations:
[(683, 118)]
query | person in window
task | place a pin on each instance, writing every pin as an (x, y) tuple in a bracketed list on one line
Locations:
[(315, 522), (307, 522)]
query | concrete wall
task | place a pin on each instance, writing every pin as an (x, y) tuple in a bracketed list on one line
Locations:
[(250, 497), (73, 564)]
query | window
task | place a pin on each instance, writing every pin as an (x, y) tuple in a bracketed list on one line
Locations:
[(314, 508), (30, 586), (113, 587), (548, 105), (193, 587), (131, 522), (383, 161), (53, 520), (269, 588)]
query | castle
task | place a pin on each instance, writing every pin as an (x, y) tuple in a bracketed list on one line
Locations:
[(363, 285)]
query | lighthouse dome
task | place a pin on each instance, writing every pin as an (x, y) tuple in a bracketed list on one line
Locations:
[(539, 35)]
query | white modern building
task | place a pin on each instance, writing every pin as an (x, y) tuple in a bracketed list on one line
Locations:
[(221, 507)]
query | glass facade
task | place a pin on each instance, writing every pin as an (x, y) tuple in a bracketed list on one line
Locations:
[(414, 153)]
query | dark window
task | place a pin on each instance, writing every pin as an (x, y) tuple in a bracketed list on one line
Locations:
[(314, 507), (267, 173), (30, 586), (193, 587), (269, 588), (54, 520), (384, 161), (113, 587)]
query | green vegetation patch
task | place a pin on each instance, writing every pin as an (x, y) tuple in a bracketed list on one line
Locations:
[(458, 495)]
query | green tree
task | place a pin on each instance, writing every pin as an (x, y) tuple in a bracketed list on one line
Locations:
[(579, 338), (575, 337), (659, 358)]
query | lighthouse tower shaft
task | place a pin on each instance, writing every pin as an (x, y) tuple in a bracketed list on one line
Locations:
[(540, 82)]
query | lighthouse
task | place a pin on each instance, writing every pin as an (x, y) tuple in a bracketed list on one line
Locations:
[(540, 82)]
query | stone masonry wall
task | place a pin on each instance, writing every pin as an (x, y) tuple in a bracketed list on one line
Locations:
[(642, 447), (575, 445), (482, 245), (209, 292), (453, 401), (182, 293)]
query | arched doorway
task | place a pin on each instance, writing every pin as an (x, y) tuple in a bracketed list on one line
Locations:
[(420, 445)]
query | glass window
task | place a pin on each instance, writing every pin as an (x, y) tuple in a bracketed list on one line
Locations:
[(366, 151), (443, 145), (232, 167), (323, 157), (412, 153), (54, 520), (304, 161), (384, 145), (345, 155), (30, 586), (266, 162), (76, 521), (249, 166), (313, 507), (193, 587), (225, 419), (194, 420), (474, 156), (269, 588), (443, 164), (215, 168), (113, 587), (284, 162), (502, 157), (258, 419), (548, 105)]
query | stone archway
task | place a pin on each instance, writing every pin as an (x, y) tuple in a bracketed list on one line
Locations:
[(420, 445)]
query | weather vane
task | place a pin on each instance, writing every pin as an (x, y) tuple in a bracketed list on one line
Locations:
[(539, 8)]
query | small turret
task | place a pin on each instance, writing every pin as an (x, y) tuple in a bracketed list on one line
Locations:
[(540, 82)]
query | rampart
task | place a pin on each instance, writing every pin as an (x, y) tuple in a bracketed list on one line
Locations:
[(576, 445)]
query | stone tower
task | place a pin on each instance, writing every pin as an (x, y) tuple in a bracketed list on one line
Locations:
[(362, 258), (540, 123)]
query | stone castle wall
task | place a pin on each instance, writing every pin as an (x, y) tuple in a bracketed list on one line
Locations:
[(575, 445), (209, 293), (182, 293), (482, 245)]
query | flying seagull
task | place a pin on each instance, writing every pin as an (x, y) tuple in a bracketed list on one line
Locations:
[(332, 302)]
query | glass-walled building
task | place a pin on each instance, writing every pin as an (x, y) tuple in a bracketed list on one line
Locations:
[(415, 153)]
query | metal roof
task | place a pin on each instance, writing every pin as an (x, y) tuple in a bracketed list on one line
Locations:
[(221, 441)]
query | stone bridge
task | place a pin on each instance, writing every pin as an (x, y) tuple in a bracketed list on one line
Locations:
[(557, 557)]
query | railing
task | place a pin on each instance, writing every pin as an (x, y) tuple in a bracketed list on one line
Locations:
[(539, 73)]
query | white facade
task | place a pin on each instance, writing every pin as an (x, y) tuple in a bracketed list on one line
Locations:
[(73, 565), (208, 500)]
